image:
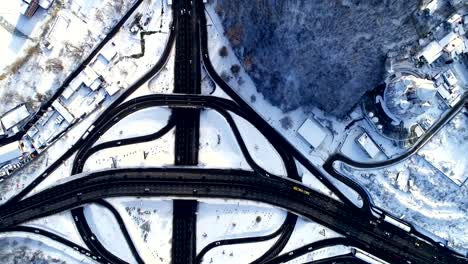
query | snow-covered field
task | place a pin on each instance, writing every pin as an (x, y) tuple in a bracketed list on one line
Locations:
[(106, 228), (228, 219), (241, 253), (322, 253), (149, 223), (262, 152), (140, 123), (416, 192), (307, 232), (61, 224), (18, 247), (156, 153), (447, 150), (218, 146)]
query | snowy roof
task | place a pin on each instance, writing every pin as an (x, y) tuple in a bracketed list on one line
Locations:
[(99, 64), (96, 84), (23, 8), (45, 3), (67, 93), (368, 145), (109, 51), (90, 76), (431, 52), (63, 111), (9, 151), (112, 89), (432, 6), (450, 78), (418, 130), (15, 116), (444, 93), (455, 18), (312, 132), (456, 45), (448, 38)]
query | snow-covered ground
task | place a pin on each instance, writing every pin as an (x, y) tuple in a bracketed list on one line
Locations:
[(312, 182), (414, 191), (17, 31), (88, 20), (218, 146), (23, 177), (16, 182), (18, 247), (447, 151), (307, 232), (149, 223), (140, 123), (241, 253), (61, 224), (162, 83), (62, 172), (262, 152), (106, 228), (228, 219), (322, 253), (245, 87), (156, 153)]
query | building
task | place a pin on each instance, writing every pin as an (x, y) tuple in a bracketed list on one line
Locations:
[(89, 76), (108, 52), (408, 96), (312, 132), (431, 7), (112, 89), (431, 52), (15, 116), (418, 130), (45, 4), (450, 95), (368, 145), (29, 7), (63, 111), (10, 152), (450, 78)]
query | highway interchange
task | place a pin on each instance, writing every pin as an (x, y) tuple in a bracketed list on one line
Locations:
[(362, 228)]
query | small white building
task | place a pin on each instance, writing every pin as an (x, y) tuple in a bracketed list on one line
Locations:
[(312, 132), (74, 85), (368, 145), (449, 96), (45, 3), (418, 130), (15, 116), (112, 89), (431, 52), (10, 152), (108, 52), (431, 7), (89, 76), (450, 78), (63, 111)]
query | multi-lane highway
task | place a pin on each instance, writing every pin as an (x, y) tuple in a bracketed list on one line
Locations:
[(361, 228), (187, 80), (222, 105), (379, 240)]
